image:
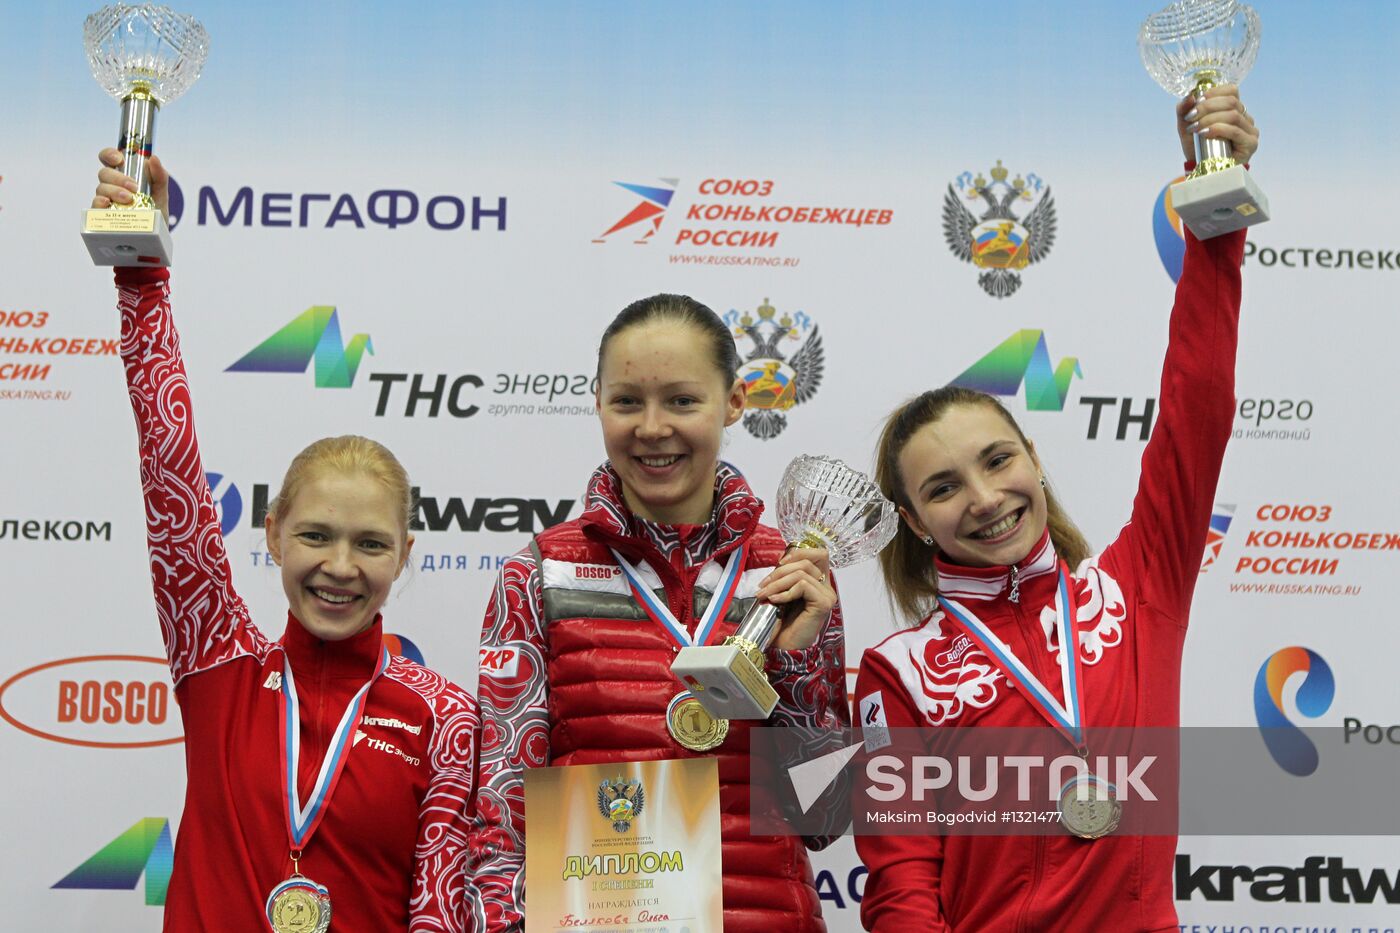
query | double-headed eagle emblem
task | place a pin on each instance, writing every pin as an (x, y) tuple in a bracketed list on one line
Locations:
[(998, 241), (774, 382), (621, 801)]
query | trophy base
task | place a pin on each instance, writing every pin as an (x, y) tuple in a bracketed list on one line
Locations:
[(135, 236), (725, 682), (1220, 202)]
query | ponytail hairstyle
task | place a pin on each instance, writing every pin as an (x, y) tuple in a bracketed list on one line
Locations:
[(679, 309), (348, 453), (911, 578)]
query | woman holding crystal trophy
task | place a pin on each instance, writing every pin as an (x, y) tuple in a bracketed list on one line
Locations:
[(996, 578), (668, 561), (288, 814)]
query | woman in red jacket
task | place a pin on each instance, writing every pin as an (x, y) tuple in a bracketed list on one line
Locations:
[(322, 771), (984, 559), (575, 671)]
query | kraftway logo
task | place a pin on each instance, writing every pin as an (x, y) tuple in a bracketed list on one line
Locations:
[(774, 383), (650, 211), (1291, 749), (1023, 357), (1321, 878), (313, 334), (998, 241)]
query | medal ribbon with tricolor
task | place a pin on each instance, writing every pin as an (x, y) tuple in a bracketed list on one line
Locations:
[(661, 613), (1069, 718), (302, 821)]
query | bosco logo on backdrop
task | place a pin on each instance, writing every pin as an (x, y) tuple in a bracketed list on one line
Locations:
[(1023, 357), (96, 701), (776, 382), (648, 213), (313, 334), (145, 848), (998, 241), (1290, 747)]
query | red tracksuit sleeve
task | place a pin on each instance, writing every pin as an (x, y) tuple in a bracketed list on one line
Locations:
[(514, 697), (443, 893), (902, 890), (1166, 536), (202, 620)]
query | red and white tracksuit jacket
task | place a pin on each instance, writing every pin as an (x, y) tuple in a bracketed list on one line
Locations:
[(1133, 602), (392, 847), (574, 672)]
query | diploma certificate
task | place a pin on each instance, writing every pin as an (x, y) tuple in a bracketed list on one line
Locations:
[(627, 847)]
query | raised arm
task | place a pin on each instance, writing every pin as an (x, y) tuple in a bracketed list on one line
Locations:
[(202, 619), (513, 690), (1181, 465)]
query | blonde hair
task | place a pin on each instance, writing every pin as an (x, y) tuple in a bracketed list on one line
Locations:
[(911, 578), (348, 453)]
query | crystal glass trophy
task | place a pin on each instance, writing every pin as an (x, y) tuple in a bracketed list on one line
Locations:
[(145, 56), (821, 503), (1188, 48)]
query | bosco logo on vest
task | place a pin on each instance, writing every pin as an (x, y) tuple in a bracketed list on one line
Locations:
[(97, 701)]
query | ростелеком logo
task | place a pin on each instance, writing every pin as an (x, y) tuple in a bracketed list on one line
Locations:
[(1289, 746), (1166, 231)]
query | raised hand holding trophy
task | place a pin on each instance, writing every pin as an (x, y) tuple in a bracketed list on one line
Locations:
[(821, 503), (1188, 48), (145, 56)]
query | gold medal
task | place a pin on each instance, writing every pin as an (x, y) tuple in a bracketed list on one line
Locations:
[(691, 724), (299, 905)]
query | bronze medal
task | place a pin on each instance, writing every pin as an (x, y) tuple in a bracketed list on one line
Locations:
[(691, 724)]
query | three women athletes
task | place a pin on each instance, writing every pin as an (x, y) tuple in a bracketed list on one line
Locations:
[(277, 805)]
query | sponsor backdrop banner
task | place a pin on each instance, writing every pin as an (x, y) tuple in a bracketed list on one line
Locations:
[(414, 223)]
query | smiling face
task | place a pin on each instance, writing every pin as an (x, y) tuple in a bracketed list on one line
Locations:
[(341, 543), (974, 486), (664, 404)]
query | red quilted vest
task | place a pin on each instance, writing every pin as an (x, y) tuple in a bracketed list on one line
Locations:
[(609, 684)]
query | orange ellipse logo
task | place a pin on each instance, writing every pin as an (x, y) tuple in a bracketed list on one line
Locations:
[(75, 700)]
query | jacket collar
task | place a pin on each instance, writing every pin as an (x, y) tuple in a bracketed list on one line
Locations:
[(993, 583), (734, 515), (353, 657)]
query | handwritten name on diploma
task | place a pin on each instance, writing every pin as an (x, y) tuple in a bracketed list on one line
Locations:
[(644, 916)]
